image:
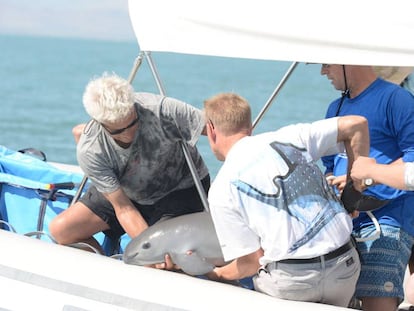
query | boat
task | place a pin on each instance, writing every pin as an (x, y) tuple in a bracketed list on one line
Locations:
[(37, 274)]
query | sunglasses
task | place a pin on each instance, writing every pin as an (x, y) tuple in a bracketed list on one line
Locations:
[(120, 131)]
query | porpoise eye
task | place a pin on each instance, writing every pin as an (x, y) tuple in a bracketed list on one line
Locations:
[(146, 245)]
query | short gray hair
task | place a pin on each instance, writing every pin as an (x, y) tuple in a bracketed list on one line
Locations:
[(108, 98)]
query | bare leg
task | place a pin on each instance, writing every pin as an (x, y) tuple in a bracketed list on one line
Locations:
[(411, 262), (77, 224), (409, 289), (379, 303), (409, 286)]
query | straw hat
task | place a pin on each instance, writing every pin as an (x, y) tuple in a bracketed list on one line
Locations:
[(393, 74)]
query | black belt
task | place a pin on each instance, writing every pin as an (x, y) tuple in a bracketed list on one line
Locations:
[(336, 253)]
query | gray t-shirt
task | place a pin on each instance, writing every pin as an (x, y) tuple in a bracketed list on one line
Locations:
[(154, 164)]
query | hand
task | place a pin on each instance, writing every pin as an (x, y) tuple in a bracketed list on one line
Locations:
[(168, 264), (360, 168), (354, 214), (337, 181)]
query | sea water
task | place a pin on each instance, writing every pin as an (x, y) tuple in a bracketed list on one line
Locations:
[(42, 81)]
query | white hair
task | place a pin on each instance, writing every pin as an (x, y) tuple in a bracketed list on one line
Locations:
[(109, 98)]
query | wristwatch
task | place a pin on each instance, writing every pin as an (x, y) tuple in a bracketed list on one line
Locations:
[(368, 182)]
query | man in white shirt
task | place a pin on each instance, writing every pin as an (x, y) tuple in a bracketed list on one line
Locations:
[(275, 215)]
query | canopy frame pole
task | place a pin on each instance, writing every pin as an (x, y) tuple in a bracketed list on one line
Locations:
[(135, 67), (184, 147), (154, 72), (275, 93)]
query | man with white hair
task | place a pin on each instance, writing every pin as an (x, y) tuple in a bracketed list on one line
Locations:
[(131, 151)]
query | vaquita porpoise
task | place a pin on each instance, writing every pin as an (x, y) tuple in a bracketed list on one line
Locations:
[(190, 240)]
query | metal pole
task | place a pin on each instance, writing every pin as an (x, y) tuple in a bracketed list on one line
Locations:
[(137, 64), (155, 73), (184, 147), (275, 93), (80, 189), (196, 178)]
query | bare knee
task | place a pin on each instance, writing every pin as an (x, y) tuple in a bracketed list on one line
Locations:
[(63, 228), (56, 229), (76, 224), (65, 236)]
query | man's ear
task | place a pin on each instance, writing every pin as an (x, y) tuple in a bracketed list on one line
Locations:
[(211, 132)]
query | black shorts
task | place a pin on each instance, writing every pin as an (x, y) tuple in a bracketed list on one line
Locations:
[(176, 203)]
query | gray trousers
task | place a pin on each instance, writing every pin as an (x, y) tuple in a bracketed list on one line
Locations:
[(331, 282)]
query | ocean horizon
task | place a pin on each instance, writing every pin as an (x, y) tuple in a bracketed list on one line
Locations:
[(43, 80)]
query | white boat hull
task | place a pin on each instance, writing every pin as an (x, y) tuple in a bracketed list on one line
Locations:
[(38, 275)]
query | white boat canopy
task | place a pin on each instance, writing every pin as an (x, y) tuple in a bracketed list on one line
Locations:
[(318, 31)]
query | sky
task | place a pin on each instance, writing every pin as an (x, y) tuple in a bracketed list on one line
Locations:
[(91, 19)]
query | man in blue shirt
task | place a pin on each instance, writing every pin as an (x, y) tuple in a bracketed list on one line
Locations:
[(389, 110)]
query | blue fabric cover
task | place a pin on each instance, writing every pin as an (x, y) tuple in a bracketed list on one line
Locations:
[(24, 183)]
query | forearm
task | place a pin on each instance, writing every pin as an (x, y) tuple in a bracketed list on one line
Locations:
[(353, 131), (131, 220), (388, 174), (128, 216), (239, 268)]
